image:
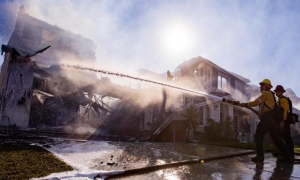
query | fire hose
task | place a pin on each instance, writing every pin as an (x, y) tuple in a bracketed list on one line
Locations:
[(168, 165)]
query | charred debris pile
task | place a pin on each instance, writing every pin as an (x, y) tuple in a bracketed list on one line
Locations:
[(54, 101)]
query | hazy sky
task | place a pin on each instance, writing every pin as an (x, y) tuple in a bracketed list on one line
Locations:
[(256, 39)]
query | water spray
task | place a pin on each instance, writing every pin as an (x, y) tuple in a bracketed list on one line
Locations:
[(142, 79)]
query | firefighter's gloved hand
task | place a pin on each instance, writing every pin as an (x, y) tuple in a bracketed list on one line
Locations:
[(243, 104)]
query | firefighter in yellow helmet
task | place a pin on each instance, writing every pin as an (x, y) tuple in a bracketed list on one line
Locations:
[(266, 102)]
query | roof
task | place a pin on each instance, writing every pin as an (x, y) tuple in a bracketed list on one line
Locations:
[(194, 61)]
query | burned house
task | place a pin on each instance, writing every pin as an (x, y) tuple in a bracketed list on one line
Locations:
[(37, 90), (44, 86)]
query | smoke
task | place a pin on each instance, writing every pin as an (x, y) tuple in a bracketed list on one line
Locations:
[(127, 35), (96, 20), (237, 36)]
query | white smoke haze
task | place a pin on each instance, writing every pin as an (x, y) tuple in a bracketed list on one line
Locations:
[(83, 130), (256, 39)]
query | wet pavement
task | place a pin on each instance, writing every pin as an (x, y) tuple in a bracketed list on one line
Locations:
[(137, 158), (137, 155)]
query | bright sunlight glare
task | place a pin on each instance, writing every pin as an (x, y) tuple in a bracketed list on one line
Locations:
[(177, 39)]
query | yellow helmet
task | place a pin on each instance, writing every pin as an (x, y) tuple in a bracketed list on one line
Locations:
[(266, 81)]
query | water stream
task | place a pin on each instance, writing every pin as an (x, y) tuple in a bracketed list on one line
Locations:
[(142, 79)]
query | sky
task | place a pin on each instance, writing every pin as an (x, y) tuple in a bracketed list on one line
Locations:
[(256, 39)]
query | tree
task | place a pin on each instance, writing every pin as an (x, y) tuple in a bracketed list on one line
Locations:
[(212, 130), (190, 115), (227, 128), (216, 131)]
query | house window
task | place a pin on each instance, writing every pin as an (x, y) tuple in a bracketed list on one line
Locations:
[(222, 83), (239, 85), (47, 36)]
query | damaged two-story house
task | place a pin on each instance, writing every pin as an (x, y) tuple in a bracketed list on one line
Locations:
[(46, 83), (211, 83)]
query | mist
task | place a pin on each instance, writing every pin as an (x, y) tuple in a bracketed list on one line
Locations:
[(256, 39)]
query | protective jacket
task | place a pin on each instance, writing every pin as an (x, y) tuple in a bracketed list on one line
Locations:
[(265, 102), (284, 103)]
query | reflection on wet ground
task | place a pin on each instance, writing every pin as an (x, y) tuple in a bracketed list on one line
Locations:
[(144, 154), (111, 156)]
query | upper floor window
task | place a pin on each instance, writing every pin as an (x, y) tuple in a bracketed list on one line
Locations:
[(47, 36), (223, 82), (239, 86)]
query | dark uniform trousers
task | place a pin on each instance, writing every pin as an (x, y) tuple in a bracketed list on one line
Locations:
[(287, 138), (268, 124)]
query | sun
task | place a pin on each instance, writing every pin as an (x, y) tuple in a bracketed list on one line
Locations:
[(177, 38)]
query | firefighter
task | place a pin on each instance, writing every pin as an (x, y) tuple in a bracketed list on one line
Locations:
[(285, 129), (266, 102), (169, 76)]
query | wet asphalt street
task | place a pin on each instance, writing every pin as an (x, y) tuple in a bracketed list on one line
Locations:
[(137, 160), (141, 155)]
